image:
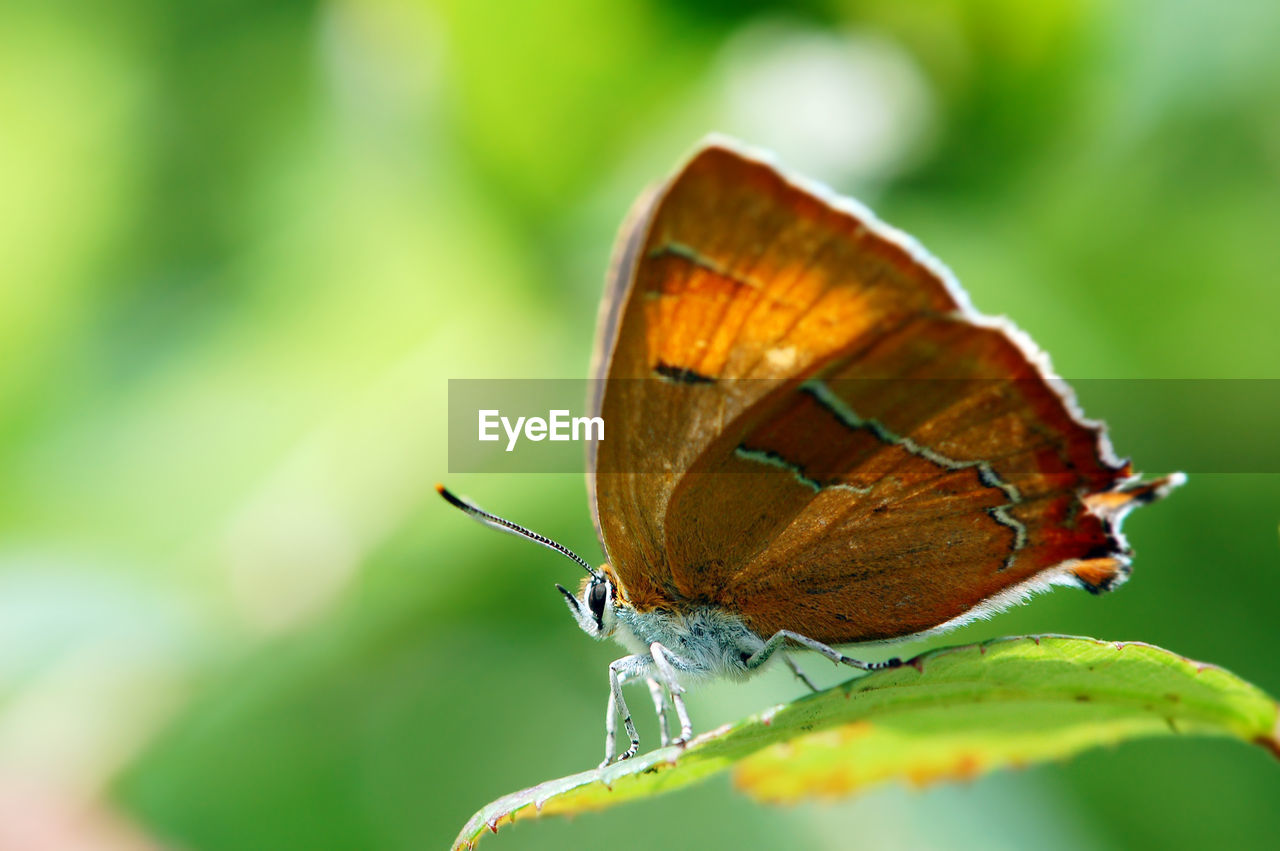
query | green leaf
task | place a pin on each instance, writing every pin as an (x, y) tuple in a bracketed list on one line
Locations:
[(952, 713)]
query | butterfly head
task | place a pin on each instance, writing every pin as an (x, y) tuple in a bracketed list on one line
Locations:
[(595, 605)]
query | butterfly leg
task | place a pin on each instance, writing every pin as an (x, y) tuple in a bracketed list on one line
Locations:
[(800, 674), (662, 660), (610, 730), (660, 706), (782, 636), (620, 670)]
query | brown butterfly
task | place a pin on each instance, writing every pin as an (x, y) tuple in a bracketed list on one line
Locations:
[(814, 440)]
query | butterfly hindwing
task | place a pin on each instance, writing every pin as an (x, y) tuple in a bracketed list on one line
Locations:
[(860, 508)]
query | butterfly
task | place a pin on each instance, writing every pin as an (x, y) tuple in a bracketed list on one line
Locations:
[(815, 441)]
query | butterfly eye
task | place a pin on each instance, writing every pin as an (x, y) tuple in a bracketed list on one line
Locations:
[(597, 595)]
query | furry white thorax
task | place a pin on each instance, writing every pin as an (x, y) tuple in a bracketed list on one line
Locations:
[(704, 643)]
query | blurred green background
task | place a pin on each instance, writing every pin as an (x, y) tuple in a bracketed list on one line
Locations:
[(243, 246)]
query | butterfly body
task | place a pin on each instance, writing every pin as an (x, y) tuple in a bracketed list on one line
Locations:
[(815, 440), (674, 645), (706, 642), (709, 642)]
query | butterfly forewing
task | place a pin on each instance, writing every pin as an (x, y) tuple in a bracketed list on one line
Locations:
[(739, 275)]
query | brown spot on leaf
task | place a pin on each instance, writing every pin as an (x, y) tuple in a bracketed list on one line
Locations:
[(966, 767), (1271, 743)]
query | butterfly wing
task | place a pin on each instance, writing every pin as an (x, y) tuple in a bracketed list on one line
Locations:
[(865, 508), (727, 273), (758, 458)]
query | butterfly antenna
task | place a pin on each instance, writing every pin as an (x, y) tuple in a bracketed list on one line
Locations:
[(496, 522)]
